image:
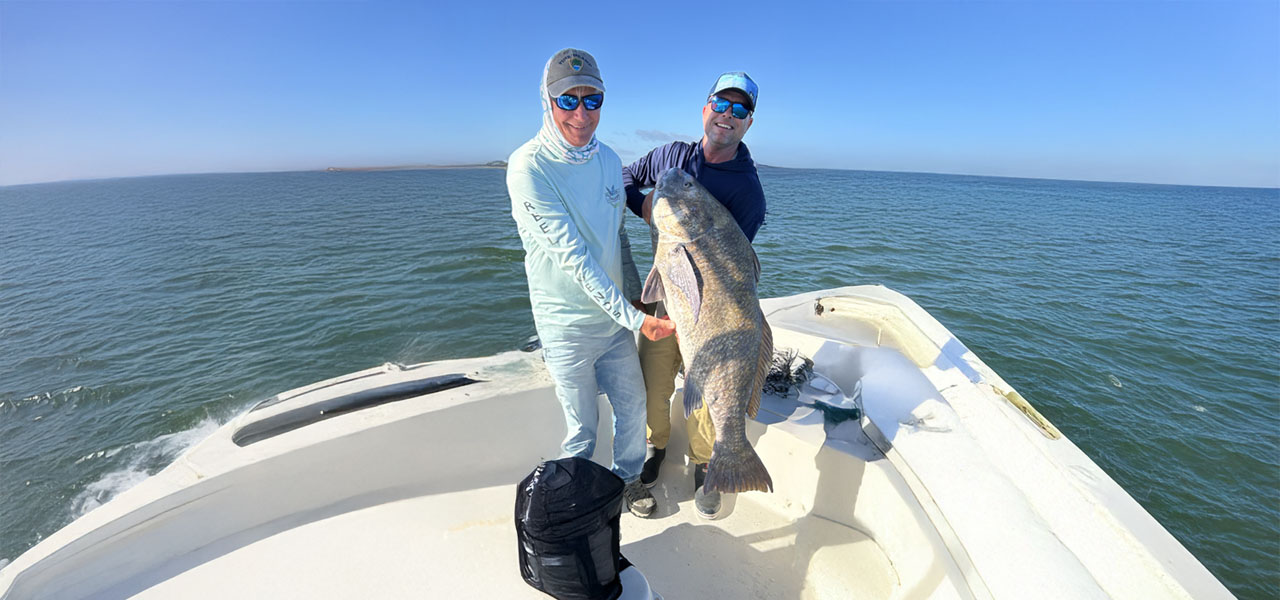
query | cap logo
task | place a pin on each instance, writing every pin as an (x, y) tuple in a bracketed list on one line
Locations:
[(576, 64)]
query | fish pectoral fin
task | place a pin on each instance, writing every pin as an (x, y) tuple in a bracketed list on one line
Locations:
[(763, 364), (653, 291), (684, 276), (755, 263), (692, 397)]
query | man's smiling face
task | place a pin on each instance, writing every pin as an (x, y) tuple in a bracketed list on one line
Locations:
[(578, 125), (722, 129)]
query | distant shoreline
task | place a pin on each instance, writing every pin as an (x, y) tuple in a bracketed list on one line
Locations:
[(493, 164)]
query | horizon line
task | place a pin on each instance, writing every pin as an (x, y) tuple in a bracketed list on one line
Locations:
[(502, 164)]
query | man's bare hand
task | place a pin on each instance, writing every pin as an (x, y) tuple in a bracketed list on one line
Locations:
[(656, 329), (646, 209)]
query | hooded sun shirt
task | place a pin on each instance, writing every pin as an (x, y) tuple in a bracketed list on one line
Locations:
[(568, 203)]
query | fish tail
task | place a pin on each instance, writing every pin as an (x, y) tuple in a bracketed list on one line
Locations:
[(732, 471)]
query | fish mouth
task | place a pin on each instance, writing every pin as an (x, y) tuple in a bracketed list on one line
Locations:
[(669, 180)]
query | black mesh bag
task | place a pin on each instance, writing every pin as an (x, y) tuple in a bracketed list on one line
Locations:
[(567, 527)]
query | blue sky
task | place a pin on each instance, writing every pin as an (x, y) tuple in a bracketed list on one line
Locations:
[(1162, 92)]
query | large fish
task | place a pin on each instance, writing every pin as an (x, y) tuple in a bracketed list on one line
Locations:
[(705, 272)]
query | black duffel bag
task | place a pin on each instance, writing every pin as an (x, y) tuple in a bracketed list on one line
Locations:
[(567, 527)]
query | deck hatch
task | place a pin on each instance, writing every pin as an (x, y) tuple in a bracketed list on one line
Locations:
[(326, 409)]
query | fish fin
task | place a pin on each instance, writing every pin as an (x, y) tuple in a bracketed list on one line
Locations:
[(684, 276), (755, 263), (692, 396), (732, 472), (653, 291), (763, 365)]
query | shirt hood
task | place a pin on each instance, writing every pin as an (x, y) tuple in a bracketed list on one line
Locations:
[(550, 135), (739, 163)]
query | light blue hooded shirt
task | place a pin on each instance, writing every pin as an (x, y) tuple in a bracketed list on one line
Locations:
[(568, 204)]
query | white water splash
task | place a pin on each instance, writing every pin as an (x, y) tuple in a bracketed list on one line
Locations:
[(99, 492), (52, 397), (1198, 408), (1115, 381), (146, 458)]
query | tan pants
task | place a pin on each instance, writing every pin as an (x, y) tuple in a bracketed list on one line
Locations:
[(660, 362)]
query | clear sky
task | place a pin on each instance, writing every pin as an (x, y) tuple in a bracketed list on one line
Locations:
[(1162, 92)]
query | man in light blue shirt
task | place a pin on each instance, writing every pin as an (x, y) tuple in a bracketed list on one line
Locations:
[(567, 199)]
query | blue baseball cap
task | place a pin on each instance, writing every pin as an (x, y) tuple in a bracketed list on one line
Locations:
[(737, 80)]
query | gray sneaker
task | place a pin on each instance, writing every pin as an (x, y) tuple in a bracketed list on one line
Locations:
[(639, 499), (707, 503)]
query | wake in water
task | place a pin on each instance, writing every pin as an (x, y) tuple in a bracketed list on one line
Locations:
[(145, 459)]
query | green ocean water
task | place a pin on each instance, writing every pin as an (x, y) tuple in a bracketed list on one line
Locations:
[(136, 315)]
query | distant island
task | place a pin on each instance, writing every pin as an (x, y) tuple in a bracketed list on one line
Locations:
[(493, 164)]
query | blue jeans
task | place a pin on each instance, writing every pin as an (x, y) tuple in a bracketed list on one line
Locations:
[(583, 368)]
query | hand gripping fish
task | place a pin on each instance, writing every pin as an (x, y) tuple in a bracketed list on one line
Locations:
[(706, 272)]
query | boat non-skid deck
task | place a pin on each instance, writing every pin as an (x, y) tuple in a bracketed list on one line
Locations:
[(462, 544), (455, 537)]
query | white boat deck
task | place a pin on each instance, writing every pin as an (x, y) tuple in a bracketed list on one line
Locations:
[(462, 545)]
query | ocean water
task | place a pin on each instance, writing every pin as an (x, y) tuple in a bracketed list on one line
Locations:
[(136, 315)]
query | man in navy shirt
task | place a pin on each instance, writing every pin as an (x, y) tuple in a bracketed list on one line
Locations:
[(723, 165)]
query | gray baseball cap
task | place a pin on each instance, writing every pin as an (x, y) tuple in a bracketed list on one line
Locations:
[(570, 68)]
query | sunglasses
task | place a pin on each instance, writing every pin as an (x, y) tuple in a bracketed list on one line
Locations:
[(720, 105), (570, 103)]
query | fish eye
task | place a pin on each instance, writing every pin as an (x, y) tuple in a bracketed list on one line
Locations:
[(687, 184)]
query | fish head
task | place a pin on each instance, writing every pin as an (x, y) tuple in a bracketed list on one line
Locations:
[(680, 206)]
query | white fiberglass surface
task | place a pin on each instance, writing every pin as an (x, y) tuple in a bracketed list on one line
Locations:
[(462, 544)]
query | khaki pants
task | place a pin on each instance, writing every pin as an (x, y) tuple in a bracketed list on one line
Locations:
[(660, 362)]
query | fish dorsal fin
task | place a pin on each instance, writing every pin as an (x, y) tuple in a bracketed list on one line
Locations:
[(755, 262), (763, 364), (684, 276), (653, 291)]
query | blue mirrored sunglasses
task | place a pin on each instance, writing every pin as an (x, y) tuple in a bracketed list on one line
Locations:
[(590, 101), (720, 105)]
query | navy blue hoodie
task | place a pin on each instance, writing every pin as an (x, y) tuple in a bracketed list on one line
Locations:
[(734, 183)]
